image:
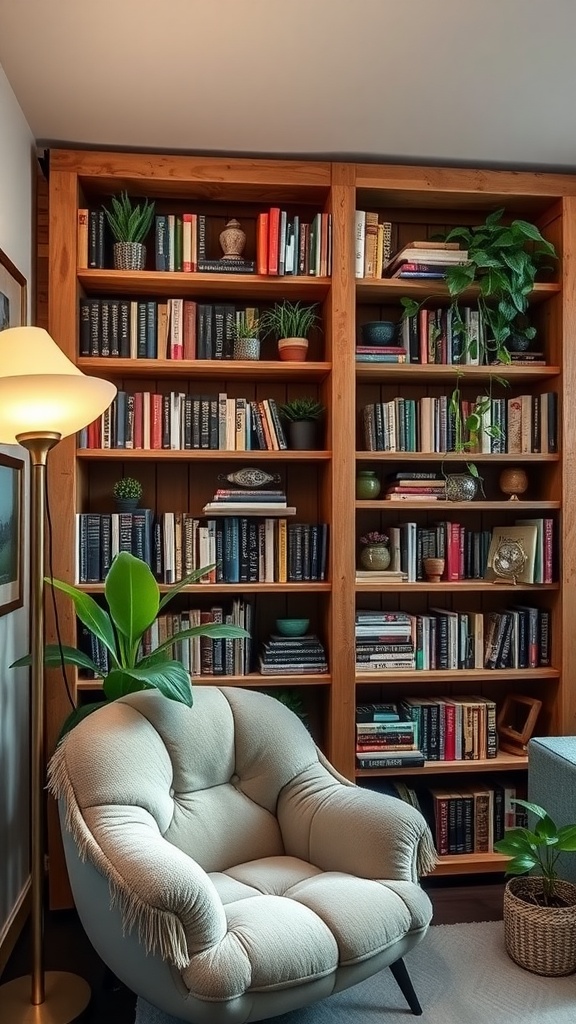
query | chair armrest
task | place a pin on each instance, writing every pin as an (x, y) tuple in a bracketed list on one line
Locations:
[(346, 828), (158, 888)]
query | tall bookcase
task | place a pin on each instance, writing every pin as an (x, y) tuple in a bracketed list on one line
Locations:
[(321, 484)]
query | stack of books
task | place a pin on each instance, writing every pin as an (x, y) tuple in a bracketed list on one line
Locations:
[(287, 655), (381, 354), (418, 486), (246, 501), (384, 641), (386, 737), (425, 259)]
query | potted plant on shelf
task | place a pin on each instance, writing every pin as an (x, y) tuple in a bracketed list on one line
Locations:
[(539, 909), (302, 416), (291, 323), (133, 603), (127, 493), (375, 554), (129, 224), (246, 334)]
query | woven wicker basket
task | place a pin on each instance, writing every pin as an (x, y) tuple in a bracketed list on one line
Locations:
[(540, 939)]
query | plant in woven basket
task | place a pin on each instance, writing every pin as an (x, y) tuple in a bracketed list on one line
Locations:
[(538, 848)]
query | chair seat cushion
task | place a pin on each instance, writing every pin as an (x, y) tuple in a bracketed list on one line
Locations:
[(290, 923)]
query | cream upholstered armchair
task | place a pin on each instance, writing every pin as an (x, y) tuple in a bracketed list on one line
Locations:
[(247, 877)]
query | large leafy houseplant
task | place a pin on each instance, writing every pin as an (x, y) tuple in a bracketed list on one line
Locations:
[(133, 601), (538, 850)]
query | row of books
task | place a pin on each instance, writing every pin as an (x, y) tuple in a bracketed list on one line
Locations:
[(200, 655), (467, 553), (282, 655), (451, 728), (372, 244), (517, 637), (155, 329), (240, 549), (446, 337), (520, 425), (178, 421)]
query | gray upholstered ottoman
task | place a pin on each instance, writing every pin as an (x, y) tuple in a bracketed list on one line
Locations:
[(552, 784)]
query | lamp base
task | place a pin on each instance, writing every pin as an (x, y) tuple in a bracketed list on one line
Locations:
[(67, 996)]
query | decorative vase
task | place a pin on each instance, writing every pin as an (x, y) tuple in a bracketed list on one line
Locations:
[(232, 240), (302, 435), (461, 487), (293, 349), (434, 568), (126, 504), (518, 343), (375, 557), (247, 348), (513, 481), (129, 256), (367, 485), (538, 938)]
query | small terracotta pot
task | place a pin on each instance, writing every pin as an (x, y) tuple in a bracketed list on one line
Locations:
[(293, 349), (434, 567)]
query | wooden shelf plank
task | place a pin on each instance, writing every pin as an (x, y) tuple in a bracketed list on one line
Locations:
[(469, 863), (516, 507), (362, 456), (192, 454), (501, 763), (171, 283), (415, 372), (196, 369), (461, 586), (253, 680), (451, 676), (230, 588), (393, 289)]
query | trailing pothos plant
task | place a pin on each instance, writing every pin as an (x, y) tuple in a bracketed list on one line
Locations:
[(468, 428), (133, 601)]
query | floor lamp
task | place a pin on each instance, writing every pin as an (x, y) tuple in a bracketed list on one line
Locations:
[(43, 398)]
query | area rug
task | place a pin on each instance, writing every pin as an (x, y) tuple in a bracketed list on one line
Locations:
[(462, 975)]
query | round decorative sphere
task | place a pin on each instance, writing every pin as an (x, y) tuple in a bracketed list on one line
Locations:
[(375, 557), (461, 487), (367, 485), (378, 332), (513, 481)]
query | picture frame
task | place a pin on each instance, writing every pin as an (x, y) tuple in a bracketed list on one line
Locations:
[(11, 533), (13, 295), (516, 722)]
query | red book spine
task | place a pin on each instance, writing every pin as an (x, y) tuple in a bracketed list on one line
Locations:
[(548, 549), (138, 420), (452, 552), (273, 239), (461, 553), (156, 422), (449, 732), (262, 243)]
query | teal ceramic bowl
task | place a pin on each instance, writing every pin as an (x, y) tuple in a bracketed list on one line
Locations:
[(378, 332), (292, 627)]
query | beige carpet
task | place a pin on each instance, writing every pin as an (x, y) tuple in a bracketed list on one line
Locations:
[(462, 975)]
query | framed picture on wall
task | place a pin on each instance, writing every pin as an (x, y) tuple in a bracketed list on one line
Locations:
[(11, 533), (13, 299)]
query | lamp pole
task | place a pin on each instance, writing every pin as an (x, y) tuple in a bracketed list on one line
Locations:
[(54, 997)]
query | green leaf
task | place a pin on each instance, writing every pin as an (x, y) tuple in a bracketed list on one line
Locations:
[(533, 808), (520, 865), (192, 578), (171, 679), (70, 656), (516, 848), (546, 829), (91, 615), (214, 630), (133, 596), (528, 230), (567, 838)]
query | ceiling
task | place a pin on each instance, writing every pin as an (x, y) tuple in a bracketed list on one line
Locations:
[(485, 83)]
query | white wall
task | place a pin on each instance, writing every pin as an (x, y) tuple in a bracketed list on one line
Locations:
[(17, 166)]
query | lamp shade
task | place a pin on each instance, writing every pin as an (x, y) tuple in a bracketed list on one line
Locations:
[(41, 390)]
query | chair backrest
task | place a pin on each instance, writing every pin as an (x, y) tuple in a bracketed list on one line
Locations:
[(209, 775)]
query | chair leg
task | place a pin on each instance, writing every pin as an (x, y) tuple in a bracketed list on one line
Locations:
[(402, 978)]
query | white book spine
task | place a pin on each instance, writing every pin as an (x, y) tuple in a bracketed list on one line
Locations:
[(360, 242)]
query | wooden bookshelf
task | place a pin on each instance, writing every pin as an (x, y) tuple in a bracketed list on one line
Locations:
[(321, 484)]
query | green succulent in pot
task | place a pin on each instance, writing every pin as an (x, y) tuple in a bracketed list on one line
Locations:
[(133, 601), (129, 224), (302, 409)]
